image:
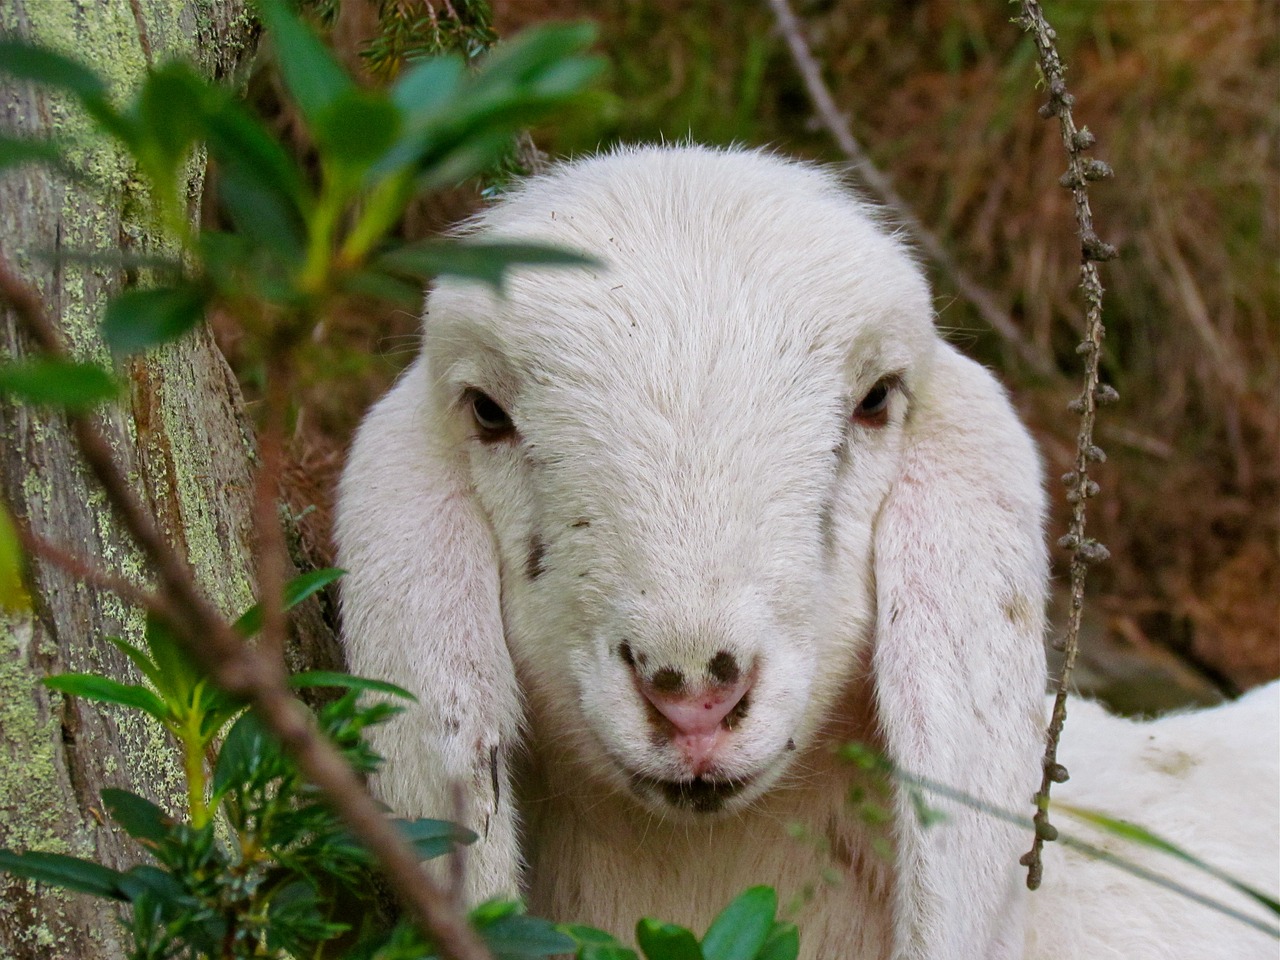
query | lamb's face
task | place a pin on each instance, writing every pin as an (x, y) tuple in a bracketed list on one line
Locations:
[(682, 458)]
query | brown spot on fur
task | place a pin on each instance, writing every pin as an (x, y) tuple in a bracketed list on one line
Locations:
[(1178, 763), (1017, 610), (534, 567), (724, 668), (668, 680)]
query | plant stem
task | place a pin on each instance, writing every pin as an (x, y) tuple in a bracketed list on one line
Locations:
[(193, 746)]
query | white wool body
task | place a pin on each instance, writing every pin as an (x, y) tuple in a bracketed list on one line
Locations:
[(1208, 781), (692, 479)]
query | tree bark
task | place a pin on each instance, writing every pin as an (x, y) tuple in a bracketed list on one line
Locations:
[(181, 433)]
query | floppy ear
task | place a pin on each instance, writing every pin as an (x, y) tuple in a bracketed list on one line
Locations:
[(959, 663), (420, 607)]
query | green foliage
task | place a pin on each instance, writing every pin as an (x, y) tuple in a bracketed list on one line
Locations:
[(298, 243), (59, 383), (276, 872), (747, 929), (259, 866)]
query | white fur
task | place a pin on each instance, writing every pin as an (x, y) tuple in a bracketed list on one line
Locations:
[(688, 466)]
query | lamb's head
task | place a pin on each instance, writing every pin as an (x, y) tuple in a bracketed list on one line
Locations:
[(682, 454)]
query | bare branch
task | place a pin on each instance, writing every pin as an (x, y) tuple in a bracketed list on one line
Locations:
[(252, 674), (1080, 487), (837, 124), (86, 571), (271, 554)]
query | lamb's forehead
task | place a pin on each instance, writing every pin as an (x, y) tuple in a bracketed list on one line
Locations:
[(703, 253)]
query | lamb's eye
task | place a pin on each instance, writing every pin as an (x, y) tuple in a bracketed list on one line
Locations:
[(491, 420), (873, 409)]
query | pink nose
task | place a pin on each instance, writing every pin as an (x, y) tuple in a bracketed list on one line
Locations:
[(698, 718)]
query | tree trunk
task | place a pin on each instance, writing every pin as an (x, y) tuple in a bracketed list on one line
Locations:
[(181, 433)]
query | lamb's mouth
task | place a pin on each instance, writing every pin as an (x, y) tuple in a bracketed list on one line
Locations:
[(698, 794)]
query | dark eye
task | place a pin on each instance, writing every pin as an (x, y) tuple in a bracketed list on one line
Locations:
[(873, 409), (491, 420)]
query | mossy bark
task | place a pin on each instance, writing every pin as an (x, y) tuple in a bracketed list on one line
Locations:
[(181, 433)]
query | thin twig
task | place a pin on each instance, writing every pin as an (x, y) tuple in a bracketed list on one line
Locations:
[(837, 124), (144, 37), (86, 571), (271, 552), (1080, 487), (251, 674)]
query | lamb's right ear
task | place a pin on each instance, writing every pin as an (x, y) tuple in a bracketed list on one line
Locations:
[(958, 663), (420, 607)]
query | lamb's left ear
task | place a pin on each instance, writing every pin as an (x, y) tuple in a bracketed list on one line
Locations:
[(959, 664)]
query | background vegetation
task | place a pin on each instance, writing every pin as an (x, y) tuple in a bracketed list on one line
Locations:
[(1183, 99)]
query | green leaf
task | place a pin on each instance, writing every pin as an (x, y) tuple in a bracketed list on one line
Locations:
[(295, 591), (383, 286), (486, 262), (567, 77), (140, 659), (742, 927), (427, 86), (521, 59), (57, 383), (159, 884), (600, 951), (15, 152), (259, 213), (596, 944), (926, 815), (473, 154), (13, 590), (331, 678), (515, 935), (666, 941), (167, 124), (71, 873), (104, 689), (246, 749), (493, 910), (783, 943), (178, 673), (139, 319), (312, 75), (583, 935), (260, 186), (357, 128), (26, 61), (435, 838), (141, 818)]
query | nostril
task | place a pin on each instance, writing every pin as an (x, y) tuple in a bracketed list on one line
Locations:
[(667, 680), (723, 668), (698, 713)]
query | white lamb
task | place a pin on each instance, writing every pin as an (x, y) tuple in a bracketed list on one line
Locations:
[(650, 539)]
